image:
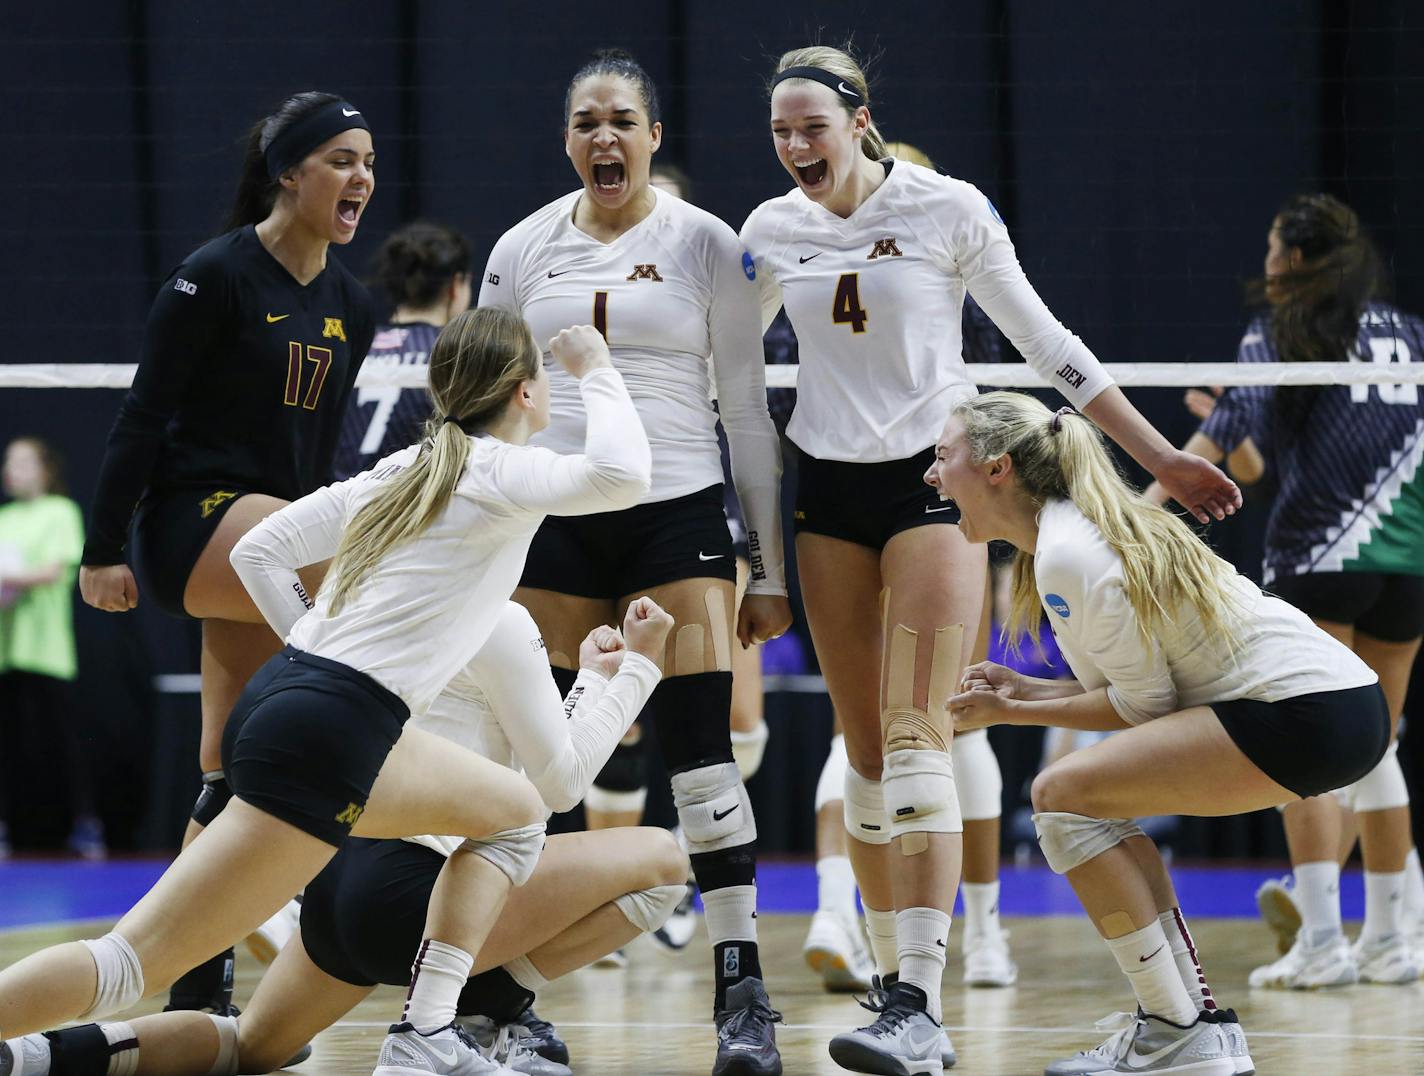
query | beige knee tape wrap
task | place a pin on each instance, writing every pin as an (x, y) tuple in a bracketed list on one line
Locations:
[(226, 1062)]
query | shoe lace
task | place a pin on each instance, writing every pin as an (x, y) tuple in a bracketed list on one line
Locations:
[(534, 1026), (750, 1022), (891, 1014), (877, 997), (511, 1044)]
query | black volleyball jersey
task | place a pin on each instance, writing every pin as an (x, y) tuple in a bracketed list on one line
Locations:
[(241, 386), (382, 419)]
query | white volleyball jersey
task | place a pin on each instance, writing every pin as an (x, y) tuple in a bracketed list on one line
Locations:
[(876, 301), (505, 706), (668, 294), (430, 603), (1279, 653)]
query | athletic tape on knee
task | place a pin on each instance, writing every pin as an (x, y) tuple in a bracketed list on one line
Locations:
[(748, 749), (514, 851), (830, 786), (1383, 788), (977, 779), (119, 974), (864, 807), (1070, 840), (212, 799), (226, 1063), (648, 909), (123, 1051), (713, 807), (920, 797)]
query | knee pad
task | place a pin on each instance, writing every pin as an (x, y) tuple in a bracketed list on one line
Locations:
[(864, 806), (648, 909), (920, 797), (514, 851), (226, 1063), (98, 1049), (713, 807), (622, 784), (748, 748), (691, 715), (1383, 788), (1070, 840), (212, 799), (977, 779), (119, 974), (831, 784)]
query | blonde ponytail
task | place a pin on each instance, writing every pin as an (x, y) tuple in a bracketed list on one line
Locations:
[(842, 64)]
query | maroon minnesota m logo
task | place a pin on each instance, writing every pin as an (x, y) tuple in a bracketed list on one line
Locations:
[(885, 248), (645, 272)]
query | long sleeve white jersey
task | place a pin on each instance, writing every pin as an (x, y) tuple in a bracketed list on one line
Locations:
[(1279, 653), (431, 602), (876, 301), (669, 294), (505, 706)]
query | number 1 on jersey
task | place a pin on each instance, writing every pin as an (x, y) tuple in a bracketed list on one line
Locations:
[(600, 313), (846, 310)]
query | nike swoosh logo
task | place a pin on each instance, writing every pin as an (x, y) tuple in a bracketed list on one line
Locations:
[(815, 255), (272, 319), (940, 943), (349, 112), (1149, 956), (846, 90), (718, 817), (716, 556), (561, 272), (449, 1055), (946, 508)]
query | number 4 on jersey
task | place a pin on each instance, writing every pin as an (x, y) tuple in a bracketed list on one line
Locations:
[(846, 310)]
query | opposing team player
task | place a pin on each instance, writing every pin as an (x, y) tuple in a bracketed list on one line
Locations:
[(1201, 672), (668, 285), (871, 258)]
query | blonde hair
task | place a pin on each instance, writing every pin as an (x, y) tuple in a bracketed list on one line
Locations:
[(843, 65), (477, 363), (903, 151), (1163, 563)]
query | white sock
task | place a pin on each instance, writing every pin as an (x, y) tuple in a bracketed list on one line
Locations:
[(981, 909), (1413, 891), (924, 937), (880, 928), (38, 1046), (1146, 959), (835, 886), (1184, 952), (123, 1047), (730, 914), (1384, 904), (436, 979), (522, 970), (1317, 893)]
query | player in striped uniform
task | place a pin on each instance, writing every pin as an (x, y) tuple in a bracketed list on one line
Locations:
[(669, 285), (871, 258), (1345, 543), (425, 270)]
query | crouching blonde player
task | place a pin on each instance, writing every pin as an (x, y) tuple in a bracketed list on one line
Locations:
[(1229, 700)]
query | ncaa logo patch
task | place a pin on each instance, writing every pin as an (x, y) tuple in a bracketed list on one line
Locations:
[(1057, 604), (995, 211), (748, 266)]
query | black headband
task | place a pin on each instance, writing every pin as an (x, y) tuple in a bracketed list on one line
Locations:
[(842, 88), (296, 141)]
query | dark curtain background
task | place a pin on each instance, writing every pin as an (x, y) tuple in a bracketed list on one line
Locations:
[(1136, 151)]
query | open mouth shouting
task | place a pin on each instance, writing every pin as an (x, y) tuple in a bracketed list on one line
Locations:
[(609, 176), (348, 210), (811, 174)]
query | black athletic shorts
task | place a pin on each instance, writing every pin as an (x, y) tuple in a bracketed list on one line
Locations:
[(616, 554), (171, 529), (1314, 743), (306, 740), (1385, 607), (867, 503)]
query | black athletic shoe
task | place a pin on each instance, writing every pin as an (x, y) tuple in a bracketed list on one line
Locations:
[(543, 1039), (746, 1033)]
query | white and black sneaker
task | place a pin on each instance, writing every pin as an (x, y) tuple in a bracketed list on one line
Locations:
[(1236, 1037), (904, 1040), (449, 1051), (746, 1033), (25, 1056), (543, 1039), (680, 927), (1150, 1044)]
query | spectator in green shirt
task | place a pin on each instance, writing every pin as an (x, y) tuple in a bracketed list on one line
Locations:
[(41, 537)]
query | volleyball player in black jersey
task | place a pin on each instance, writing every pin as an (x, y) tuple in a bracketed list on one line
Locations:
[(250, 351), (424, 269)]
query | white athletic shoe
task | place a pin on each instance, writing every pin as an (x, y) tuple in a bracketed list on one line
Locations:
[(1148, 1043), (25, 1056), (1307, 967), (267, 941), (451, 1051), (1230, 1025), (987, 961), (616, 959), (904, 1039), (680, 927), (836, 951), (511, 1048), (1389, 959), (1276, 901)]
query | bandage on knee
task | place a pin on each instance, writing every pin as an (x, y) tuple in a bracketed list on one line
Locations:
[(226, 1062), (831, 784), (212, 799), (1070, 840), (713, 807), (920, 797), (864, 807), (119, 976), (1383, 788), (648, 909), (977, 779), (748, 749), (513, 851)]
